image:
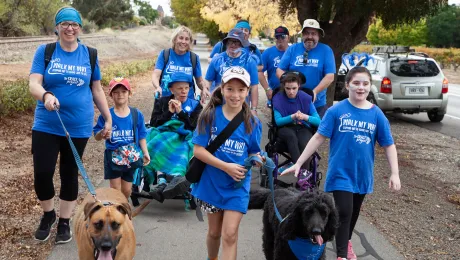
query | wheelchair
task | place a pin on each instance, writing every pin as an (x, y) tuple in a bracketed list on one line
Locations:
[(308, 179), (143, 183)]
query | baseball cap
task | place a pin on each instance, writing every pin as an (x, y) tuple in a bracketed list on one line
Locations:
[(281, 30), (179, 77), (237, 72), (312, 23), (119, 81), (236, 33)]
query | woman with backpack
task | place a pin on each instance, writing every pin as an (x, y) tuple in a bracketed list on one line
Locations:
[(63, 80), (178, 58)]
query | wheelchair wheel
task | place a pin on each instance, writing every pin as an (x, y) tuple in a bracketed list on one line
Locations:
[(263, 178)]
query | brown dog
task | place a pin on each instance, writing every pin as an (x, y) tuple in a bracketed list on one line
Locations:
[(103, 229)]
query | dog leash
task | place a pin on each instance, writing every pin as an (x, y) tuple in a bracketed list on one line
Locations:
[(83, 173)]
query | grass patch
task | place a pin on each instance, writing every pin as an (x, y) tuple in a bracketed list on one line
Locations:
[(15, 95)]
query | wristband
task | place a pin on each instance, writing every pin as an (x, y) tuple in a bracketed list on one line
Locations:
[(268, 89), (254, 108), (44, 94)]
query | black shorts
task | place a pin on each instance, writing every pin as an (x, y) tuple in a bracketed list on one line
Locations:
[(110, 174)]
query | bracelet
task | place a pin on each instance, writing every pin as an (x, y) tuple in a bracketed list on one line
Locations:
[(44, 94), (254, 108), (268, 89)]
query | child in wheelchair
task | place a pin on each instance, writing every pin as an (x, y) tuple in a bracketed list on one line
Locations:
[(176, 113), (294, 120)]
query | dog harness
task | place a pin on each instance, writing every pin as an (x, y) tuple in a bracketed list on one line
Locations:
[(302, 248)]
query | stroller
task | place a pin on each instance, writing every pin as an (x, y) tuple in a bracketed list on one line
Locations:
[(308, 179)]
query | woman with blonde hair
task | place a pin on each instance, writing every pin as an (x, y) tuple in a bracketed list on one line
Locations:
[(178, 58)]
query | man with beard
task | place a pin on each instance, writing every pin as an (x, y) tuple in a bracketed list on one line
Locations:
[(271, 58), (314, 59)]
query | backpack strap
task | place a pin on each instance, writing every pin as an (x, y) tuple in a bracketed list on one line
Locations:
[(222, 47), (134, 114), (193, 61), (49, 50), (92, 61), (166, 53)]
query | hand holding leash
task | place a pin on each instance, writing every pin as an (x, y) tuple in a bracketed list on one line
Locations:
[(50, 101), (236, 171)]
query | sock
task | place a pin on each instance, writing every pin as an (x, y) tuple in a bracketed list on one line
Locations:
[(63, 220), (49, 214)]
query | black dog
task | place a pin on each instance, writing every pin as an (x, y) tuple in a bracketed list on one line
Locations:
[(309, 215)]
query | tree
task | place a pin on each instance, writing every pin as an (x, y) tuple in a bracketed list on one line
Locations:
[(28, 17), (187, 12), (444, 28), (105, 13), (147, 11), (346, 22), (226, 13), (413, 34)]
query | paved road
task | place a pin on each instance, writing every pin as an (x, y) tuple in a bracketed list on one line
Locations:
[(450, 125), (168, 232)]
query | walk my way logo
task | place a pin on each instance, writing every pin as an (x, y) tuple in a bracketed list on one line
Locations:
[(362, 129), (311, 62), (171, 68), (73, 71), (276, 61)]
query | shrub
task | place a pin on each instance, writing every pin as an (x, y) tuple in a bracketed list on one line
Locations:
[(15, 96), (89, 26)]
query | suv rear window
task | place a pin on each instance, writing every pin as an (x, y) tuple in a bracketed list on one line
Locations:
[(414, 68)]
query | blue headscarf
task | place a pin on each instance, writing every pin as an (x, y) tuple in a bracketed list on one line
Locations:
[(243, 24), (68, 14)]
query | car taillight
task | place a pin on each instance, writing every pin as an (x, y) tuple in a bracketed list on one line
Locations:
[(385, 87), (445, 86)]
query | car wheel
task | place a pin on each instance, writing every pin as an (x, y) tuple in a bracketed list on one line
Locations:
[(371, 99), (435, 117)]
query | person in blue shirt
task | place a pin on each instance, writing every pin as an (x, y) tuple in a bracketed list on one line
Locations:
[(64, 84), (251, 48), (353, 125), (216, 192), (271, 58), (179, 61), (122, 135), (235, 55), (314, 59), (295, 114), (177, 106)]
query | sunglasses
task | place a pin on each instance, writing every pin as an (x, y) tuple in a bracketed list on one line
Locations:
[(284, 36), (305, 58)]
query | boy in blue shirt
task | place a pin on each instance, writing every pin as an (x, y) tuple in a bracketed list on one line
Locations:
[(122, 135)]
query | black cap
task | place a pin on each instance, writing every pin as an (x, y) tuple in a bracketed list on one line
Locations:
[(281, 30)]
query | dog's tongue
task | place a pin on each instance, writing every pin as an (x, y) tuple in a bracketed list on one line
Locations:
[(105, 255), (319, 239)]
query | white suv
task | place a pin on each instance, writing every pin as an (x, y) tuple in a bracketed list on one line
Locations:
[(407, 82)]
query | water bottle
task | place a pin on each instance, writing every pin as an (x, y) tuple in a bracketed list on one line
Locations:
[(269, 103)]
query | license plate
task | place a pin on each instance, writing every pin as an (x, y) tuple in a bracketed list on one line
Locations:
[(417, 91)]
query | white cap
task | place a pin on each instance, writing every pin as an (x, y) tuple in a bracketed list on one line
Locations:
[(311, 23), (237, 72)]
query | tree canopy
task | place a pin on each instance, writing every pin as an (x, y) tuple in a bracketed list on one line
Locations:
[(147, 11), (105, 13), (444, 28), (414, 34)]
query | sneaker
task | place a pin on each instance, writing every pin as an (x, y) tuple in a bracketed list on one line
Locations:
[(178, 186), (341, 258), (351, 254), (43, 231), (64, 235), (157, 192)]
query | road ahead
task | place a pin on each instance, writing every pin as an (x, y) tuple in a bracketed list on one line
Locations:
[(450, 125)]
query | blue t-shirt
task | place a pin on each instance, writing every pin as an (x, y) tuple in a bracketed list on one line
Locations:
[(68, 76), (177, 63), (271, 58), (257, 56), (221, 62), (122, 129), (353, 133), (321, 61), (216, 186)]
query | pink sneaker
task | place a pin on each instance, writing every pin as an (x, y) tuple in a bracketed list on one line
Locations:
[(351, 254), (341, 258)]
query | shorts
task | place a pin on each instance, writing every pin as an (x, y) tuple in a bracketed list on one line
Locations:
[(208, 208), (110, 174)]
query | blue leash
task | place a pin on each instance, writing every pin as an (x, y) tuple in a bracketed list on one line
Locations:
[(269, 165), (83, 173)]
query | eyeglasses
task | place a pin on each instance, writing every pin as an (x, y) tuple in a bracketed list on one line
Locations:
[(66, 25), (231, 41), (284, 36), (305, 58)]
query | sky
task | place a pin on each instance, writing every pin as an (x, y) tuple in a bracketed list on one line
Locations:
[(167, 9)]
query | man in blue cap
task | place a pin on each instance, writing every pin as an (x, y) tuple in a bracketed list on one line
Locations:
[(271, 58)]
